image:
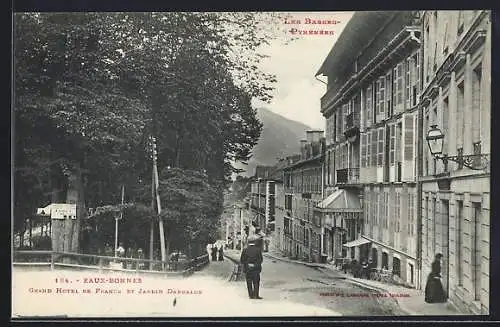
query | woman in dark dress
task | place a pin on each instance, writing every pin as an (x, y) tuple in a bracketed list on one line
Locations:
[(221, 253), (214, 252), (434, 292)]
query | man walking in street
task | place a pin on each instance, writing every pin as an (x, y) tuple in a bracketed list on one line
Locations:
[(251, 259)]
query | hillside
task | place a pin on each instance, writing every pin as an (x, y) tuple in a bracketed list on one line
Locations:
[(280, 137)]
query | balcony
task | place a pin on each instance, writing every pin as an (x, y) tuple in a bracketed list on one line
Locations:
[(347, 176), (352, 125)]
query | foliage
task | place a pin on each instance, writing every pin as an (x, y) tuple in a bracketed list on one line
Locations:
[(90, 89)]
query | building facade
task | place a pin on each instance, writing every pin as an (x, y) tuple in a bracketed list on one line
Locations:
[(303, 190), (263, 198), (371, 121), (456, 199)]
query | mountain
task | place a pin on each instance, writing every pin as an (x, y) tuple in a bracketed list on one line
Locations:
[(280, 137)]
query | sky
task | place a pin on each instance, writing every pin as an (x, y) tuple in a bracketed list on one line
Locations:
[(298, 93)]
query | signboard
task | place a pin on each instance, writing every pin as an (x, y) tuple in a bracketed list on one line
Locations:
[(63, 211), (59, 211)]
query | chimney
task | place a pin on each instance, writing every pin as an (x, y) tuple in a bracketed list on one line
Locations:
[(303, 144), (309, 136)]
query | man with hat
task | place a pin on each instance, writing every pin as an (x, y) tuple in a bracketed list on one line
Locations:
[(251, 259)]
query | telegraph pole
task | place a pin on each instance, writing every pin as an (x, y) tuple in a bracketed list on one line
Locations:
[(117, 218), (156, 183)]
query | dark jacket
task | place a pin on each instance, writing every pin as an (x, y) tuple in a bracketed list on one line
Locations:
[(251, 258)]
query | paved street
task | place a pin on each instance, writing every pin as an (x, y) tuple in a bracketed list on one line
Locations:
[(283, 281)]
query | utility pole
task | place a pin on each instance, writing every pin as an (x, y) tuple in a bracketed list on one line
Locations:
[(241, 228), (152, 227), (234, 226), (117, 218), (158, 203)]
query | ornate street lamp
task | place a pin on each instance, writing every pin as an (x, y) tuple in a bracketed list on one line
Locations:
[(435, 138)]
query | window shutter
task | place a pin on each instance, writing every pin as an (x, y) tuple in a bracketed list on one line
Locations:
[(408, 138), (392, 155), (368, 149), (374, 147), (381, 100), (363, 150), (369, 106), (345, 112), (400, 86), (408, 83), (380, 159), (417, 73), (395, 89), (388, 94)]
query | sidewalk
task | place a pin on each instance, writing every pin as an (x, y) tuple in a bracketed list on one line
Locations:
[(412, 302)]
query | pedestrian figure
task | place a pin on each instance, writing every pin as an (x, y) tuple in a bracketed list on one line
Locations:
[(434, 292), (221, 253), (214, 252), (251, 259)]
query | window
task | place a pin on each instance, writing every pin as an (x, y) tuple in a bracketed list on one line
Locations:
[(460, 242), (382, 98), (460, 114), (408, 146), (416, 80), (398, 88), (411, 216), (392, 146), (445, 123), (374, 147), (388, 94), (408, 69), (426, 55), (363, 150), (377, 98), (476, 103), (368, 149), (375, 209), (380, 157), (398, 212), (369, 105), (345, 112)]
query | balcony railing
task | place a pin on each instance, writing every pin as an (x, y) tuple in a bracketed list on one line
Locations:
[(352, 120), (348, 176)]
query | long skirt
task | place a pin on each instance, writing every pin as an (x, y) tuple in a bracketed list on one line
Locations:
[(434, 292)]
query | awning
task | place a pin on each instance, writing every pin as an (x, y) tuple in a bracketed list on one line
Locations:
[(358, 242), (340, 201)]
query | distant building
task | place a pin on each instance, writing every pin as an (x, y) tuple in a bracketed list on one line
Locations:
[(303, 190)]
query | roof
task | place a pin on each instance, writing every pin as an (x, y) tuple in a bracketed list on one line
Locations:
[(300, 162), (341, 201), (357, 242), (356, 35)]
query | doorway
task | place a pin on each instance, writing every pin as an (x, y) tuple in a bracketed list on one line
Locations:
[(385, 260), (375, 257)]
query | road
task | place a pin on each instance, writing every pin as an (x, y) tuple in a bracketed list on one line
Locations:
[(284, 281), (288, 290)]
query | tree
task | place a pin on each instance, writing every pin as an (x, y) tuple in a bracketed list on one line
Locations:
[(91, 88)]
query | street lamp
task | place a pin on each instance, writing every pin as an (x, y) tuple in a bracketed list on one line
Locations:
[(435, 138)]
